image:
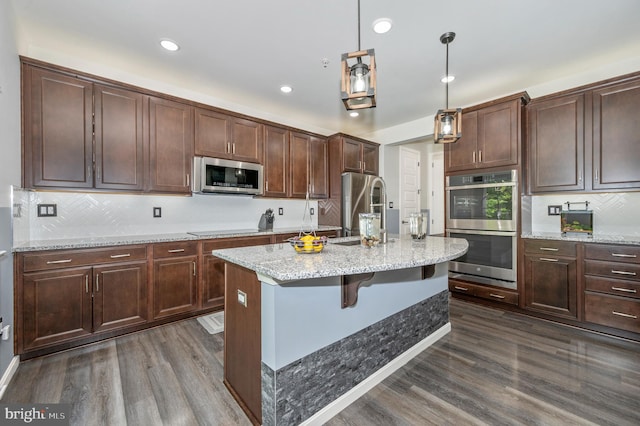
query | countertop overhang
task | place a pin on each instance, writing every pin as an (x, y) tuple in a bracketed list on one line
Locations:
[(281, 263)]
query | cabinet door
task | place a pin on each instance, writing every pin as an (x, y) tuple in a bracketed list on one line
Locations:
[(352, 155), (551, 285), (498, 139), (57, 130), (213, 282), (56, 307), (461, 155), (318, 167), (276, 162), (370, 156), (174, 286), (556, 144), (299, 165), (246, 140), (170, 146), (616, 137), (119, 295), (118, 139), (212, 134)]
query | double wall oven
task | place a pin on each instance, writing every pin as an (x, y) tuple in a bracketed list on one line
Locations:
[(483, 209)]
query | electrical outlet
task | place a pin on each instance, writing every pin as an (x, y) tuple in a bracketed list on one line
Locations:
[(280, 211), (157, 212), (312, 211), (390, 204), (47, 210), (554, 210)]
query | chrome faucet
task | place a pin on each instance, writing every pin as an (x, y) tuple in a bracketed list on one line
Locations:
[(383, 220)]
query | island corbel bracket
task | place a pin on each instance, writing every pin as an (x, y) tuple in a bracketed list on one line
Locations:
[(350, 285), (428, 271)]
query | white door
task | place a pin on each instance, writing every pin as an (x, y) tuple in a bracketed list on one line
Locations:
[(435, 186), (409, 186)]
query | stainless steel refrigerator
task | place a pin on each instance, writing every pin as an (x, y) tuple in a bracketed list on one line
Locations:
[(356, 198)]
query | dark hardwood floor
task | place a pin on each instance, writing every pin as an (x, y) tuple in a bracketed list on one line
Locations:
[(493, 368)]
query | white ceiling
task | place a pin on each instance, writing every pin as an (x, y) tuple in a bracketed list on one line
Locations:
[(239, 52)]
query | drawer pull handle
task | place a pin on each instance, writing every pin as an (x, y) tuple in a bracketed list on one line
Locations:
[(632, 256), (118, 256), (548, 249), (626, 290), (620, 314), (497, 296), (54, 262), (461, 288), (631, 274), (546, 259), (176, 251)]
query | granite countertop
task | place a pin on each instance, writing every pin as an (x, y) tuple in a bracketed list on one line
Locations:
[(281, 263), (90, 242), (581, 238)]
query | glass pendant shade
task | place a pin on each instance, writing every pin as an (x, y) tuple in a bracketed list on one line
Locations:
[(448, 125), (447, 122), (358, 82)]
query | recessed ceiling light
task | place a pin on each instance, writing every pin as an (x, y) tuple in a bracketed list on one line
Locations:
[(354, 114), (382, 25), (448, 78), (286, 89), (171, 46)]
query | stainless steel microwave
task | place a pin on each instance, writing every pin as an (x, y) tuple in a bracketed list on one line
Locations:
[(215, 175)]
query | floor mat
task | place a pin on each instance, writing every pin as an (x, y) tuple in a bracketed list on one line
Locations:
[(213, 323)]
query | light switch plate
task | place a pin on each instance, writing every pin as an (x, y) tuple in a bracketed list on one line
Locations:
[(47, 210), (157, 212), (554, 210)]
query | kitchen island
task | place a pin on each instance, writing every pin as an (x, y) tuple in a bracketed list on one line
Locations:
[(307, 334)]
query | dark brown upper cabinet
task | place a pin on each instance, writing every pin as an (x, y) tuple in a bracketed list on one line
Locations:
[(586, 139), (491, 136), (276, 162), (170, 146), (57, 130), (556, 144), (220, 135), (616, 136)]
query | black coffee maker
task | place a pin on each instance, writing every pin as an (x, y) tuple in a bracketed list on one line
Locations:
[(266, 221)]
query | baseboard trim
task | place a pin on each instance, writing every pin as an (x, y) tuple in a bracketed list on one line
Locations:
[(8, 374), (326, 413)]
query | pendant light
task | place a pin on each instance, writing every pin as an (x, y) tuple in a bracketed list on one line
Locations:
[(448, 122), (358, 82)]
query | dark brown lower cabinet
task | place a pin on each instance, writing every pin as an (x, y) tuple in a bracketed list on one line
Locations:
[(213, 267), (174, 286), (57, 306), (242, 339), (550, 285), (69, 304), (119, 296)]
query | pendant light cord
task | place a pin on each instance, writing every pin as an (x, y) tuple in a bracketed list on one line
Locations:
[(358, 25), (446, 76)]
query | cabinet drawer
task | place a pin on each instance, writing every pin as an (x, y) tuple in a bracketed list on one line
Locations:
[(625, 271), (485, 292), (550, 247), (41, 261), (613, 311), (223, 243), (611, 286), (175, 249), (627, 254)]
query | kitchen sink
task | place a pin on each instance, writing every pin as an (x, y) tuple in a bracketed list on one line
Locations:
[(346, 243)]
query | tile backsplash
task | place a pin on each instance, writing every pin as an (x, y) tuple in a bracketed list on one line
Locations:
[(97, 215), (614, 213)]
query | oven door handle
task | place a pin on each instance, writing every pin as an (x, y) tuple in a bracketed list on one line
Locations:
[(477, 232), (481, 185)]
